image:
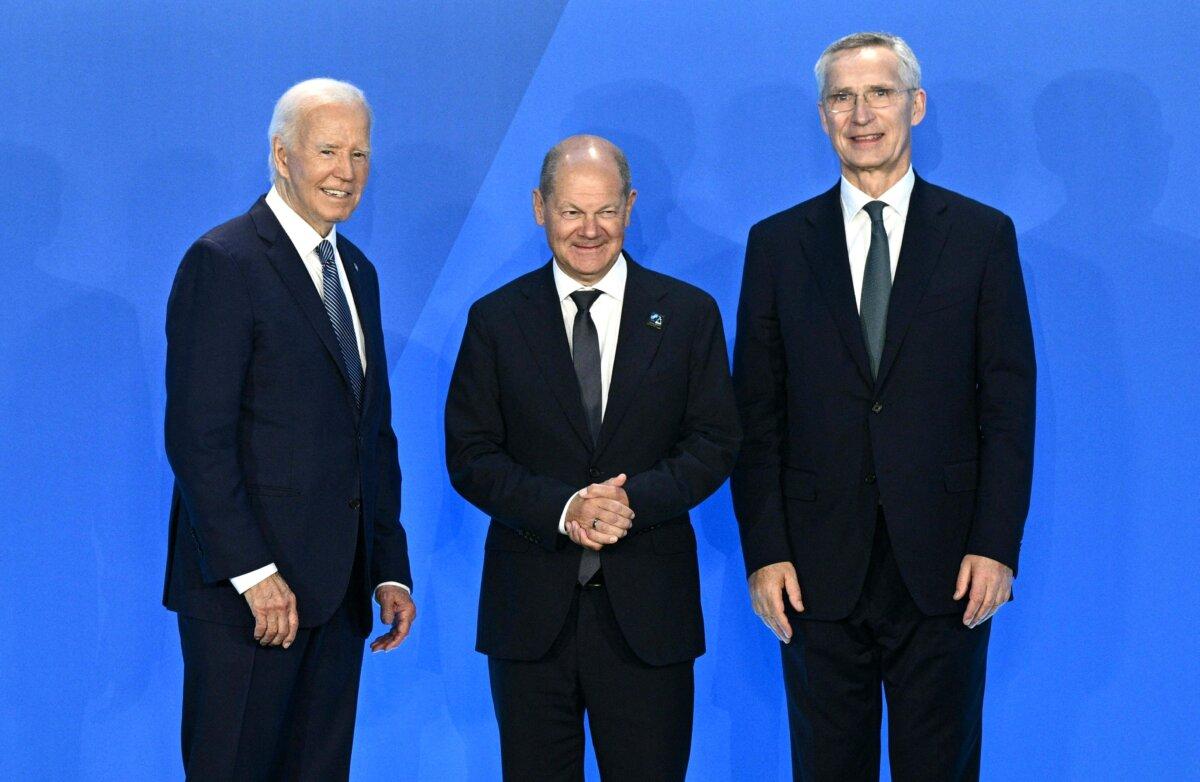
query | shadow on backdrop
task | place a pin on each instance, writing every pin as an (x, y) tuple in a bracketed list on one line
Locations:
[(1112, 296)]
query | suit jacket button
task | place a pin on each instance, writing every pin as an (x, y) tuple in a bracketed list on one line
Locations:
[(869, 479), (875, 408), (355, 504), (594, 472)]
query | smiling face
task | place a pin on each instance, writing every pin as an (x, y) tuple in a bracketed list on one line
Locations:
[(874, 145), (586, 215), (323, 171)]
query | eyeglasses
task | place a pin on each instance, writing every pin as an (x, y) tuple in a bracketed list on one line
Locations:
[(875, 97)]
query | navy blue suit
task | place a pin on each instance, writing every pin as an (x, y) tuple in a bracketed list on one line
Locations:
[(518, 446), (273, 461), (875, 490)]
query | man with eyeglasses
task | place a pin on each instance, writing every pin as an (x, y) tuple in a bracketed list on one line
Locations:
[(885, 376)]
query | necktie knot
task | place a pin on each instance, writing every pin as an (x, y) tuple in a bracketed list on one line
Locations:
[(584, 299), (325, 250), (874, 210)]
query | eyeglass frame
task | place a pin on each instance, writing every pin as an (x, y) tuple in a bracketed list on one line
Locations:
[(890, 91)]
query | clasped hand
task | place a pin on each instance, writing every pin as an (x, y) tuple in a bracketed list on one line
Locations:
[(599, 515)]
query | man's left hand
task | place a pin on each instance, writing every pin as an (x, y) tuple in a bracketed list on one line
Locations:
[(990, 586), (396, 608)]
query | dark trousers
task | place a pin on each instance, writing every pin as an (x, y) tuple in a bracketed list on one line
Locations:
[(267, 713), (640, 715), (931, 668)]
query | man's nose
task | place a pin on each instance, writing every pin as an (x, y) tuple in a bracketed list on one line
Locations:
[(591, 226), (344, 168), (862, 113)]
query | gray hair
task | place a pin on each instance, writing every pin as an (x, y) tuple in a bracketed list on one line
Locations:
[(288, 115), (909, 69), (557, 152)]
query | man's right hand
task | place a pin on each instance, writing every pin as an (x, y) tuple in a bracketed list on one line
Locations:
[(767, 585), (599, 515), (274, 607)]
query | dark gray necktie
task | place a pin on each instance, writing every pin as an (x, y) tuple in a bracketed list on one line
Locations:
[(585, 353), (338, 311), (876, 286)]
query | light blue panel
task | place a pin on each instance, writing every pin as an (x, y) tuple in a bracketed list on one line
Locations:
[(133, 127)]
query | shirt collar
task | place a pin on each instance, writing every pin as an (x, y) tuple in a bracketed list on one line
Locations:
[(303, 236), (897, 196), (612, 283)]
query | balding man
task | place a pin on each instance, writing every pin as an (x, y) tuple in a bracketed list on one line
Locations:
[(286, 509), (590, 408)]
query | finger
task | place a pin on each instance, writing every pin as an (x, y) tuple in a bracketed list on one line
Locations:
[(293, 618), (378, 644), (964, 580), (599, 536), (978, 590), (616, 508), (387, 612), (281, 626), (615, 530), (272, 630), (616, 480), (778, 618), (792, 586), (260, 625)]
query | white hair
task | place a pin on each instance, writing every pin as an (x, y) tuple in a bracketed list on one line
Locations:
[(909, 69), (288, 116)]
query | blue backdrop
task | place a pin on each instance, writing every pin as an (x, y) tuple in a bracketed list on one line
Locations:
[(131, 128)]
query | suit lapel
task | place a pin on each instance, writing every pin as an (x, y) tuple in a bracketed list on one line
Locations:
[(282, 255), (368, 316), (637, 344), (824, 245), (924, 236), (541, 323)]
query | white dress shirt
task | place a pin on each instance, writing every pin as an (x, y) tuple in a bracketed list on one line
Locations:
[(305, 239), (858, 225), (606, 314)]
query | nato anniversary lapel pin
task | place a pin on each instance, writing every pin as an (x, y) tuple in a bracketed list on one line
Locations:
[(655, 321)]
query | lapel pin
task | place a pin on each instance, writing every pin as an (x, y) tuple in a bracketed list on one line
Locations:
[(655, 321)]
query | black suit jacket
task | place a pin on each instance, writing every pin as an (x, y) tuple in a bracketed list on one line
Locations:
[(518, 447), (272, 461), (943, 439)]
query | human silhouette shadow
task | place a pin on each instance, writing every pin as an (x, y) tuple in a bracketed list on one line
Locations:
[(77, 460), (1111, 293)]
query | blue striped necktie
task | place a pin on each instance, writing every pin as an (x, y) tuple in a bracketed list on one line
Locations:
[(339, 317)]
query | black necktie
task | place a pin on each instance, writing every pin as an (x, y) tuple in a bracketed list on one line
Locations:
[(876, 287), (339, 317), (585, 353)]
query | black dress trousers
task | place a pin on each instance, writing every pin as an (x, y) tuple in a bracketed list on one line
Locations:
[(931, 668)]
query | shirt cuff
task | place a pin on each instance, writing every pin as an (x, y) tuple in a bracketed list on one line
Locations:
[(405, 587), (246, 580), (562, 519)]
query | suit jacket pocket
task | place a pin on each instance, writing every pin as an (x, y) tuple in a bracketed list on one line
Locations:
[(937, 301), (962, 476), (502, 538), (674, 538), (799, 484), (263, 490)]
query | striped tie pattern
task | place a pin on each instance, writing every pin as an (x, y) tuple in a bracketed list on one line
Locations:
[(339, 317)]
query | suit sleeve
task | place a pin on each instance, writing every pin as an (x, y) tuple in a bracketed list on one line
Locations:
[(389, 558), (759, 376), (210, 334), (709, 434), (1006, 375), (481, 470)]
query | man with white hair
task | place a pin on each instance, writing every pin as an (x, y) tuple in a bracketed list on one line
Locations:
[(285, 515), (885, 376)]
